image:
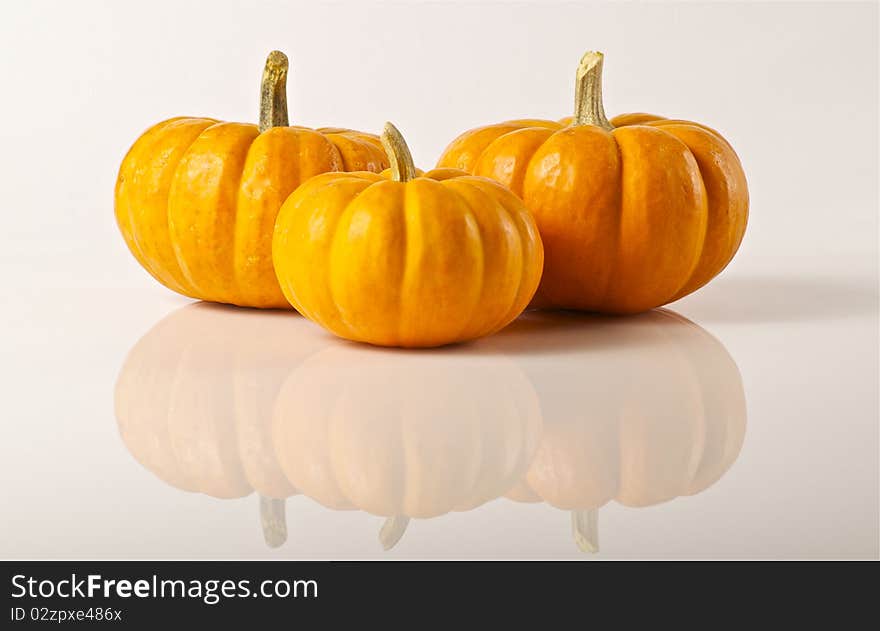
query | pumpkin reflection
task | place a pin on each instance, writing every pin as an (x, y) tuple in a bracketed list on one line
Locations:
[(405, 434), (567, 409), (194, 399), (652, 408), (224, 402)]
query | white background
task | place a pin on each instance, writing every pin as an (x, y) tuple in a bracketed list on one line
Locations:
[(793, 86)]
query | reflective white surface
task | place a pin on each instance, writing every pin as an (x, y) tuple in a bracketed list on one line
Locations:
[(173, 429)]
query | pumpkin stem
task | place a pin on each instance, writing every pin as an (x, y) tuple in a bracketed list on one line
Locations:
[(588, 107), (273, 92), (403, 169), (273, 517), (585, 529), (392, 531)]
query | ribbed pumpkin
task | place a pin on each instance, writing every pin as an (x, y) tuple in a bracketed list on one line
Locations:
[(407, 260), (634, 212), (653, 409), (196, 198), (194, 402), (405, 435)]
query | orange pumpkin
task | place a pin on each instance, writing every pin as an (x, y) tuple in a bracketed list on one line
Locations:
[(654, 410), (408, 260), (196, 198), (194, 402), (634, 212)]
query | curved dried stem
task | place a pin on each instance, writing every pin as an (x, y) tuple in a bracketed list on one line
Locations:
[(273, 92), (402, 167), (588, 107)]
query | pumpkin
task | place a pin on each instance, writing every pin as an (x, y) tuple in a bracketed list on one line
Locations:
[(196, 198), (653, 411), (635, 212), (194, 402), (405, 435), (406, 260)]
